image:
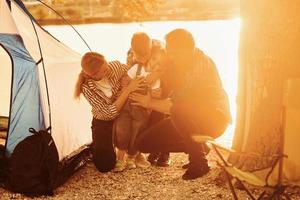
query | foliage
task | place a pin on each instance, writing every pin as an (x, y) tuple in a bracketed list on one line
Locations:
[(135, 10)]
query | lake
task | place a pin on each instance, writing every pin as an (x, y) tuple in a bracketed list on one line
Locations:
[(218, 38)]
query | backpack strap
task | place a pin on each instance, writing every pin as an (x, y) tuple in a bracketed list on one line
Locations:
[(32, 130)]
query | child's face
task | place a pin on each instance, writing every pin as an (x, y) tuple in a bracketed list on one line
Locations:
[(142, 58)]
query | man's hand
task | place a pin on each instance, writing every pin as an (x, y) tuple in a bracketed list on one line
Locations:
[(140, 99), (156, 93), (159, 105)]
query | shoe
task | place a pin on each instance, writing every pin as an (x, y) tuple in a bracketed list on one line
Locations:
[(140, 161), (185, 166), (194, 172), (120, 166), (152, 158), (130, 164), (163, 160), (205, 150)]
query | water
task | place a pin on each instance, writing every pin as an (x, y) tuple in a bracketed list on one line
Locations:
[(219, 39)]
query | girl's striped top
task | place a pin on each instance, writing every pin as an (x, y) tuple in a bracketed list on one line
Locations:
[(103, 107)]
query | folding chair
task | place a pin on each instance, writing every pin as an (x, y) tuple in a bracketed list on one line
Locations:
[(240, 176), (291, 105)]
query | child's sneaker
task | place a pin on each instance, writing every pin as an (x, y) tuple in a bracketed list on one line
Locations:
[(130, 164), (120, 166), (140, 161)]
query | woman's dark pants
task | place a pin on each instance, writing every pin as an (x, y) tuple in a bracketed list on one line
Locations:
[(104, 155)]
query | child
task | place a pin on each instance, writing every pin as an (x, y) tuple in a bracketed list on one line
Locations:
[(133, 119)]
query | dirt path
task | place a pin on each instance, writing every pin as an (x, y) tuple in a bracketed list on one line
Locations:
[(150, 183)]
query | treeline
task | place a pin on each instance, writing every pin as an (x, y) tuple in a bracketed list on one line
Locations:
[(90, 11)]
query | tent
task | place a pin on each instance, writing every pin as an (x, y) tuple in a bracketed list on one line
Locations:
[(37, 79)]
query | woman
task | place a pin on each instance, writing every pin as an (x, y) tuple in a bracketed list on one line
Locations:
[(99, 81)]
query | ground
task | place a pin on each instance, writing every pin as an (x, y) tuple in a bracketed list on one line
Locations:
[(150, 183)]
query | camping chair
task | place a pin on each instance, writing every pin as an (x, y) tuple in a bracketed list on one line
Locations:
[(240, 176), (291, 101)]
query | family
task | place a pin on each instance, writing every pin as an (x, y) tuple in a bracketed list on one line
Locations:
[(155, 103)]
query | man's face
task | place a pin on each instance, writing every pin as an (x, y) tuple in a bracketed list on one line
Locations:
[(179, 56)]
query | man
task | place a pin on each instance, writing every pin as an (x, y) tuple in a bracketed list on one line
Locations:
[(197, 104), (150, 54)]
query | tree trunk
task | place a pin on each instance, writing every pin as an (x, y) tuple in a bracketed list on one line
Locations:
[(269, 54)]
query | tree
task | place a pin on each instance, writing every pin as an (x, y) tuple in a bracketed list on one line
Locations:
[(269, 54), (135, 10)]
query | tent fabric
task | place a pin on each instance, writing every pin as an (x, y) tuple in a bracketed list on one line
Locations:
[(71, 120), (5, 82), (56, 75), (7, 23), (26, 108)]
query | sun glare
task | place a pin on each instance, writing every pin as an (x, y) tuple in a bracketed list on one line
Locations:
[(217, 38)]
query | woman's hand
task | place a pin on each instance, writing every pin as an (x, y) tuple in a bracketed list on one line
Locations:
[(125, 80), (136, 84), (140, 99)]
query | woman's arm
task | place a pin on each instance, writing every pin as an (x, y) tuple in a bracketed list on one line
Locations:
[(110, 111)]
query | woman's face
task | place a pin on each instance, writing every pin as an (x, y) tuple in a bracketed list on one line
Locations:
[(100, 73)]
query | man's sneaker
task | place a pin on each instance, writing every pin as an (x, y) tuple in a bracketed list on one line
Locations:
[(205, 150), (194, 172), (130, 164), (152, 158), (185, 166), (140, 161), (120, 166), (163, 160)]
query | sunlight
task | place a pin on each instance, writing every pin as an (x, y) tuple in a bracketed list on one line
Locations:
[(218, 38)]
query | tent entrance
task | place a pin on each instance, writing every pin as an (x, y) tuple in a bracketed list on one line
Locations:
[(5, 94)]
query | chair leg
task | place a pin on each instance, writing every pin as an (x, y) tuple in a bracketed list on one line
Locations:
[(278, 193), (230, 185), (261, 195), (246, 189)]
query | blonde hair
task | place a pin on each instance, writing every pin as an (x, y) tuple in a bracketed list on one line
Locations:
[(90, 63)]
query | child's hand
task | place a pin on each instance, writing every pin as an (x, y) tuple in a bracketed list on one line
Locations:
[(151, 78)]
